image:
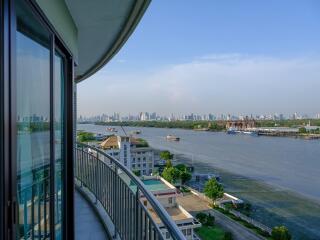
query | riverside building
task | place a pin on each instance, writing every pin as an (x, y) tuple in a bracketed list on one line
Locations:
[(131, 153), (167, 194)]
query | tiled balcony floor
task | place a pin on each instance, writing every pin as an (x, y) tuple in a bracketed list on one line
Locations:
[(87, 224)]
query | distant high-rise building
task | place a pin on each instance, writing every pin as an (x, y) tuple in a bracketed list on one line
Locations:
[(281, 116), (295, 116), (144, 116), (212, 117), (116, 116), (153, 116)]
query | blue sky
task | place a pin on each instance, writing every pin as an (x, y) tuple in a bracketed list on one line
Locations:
[(230, 56)]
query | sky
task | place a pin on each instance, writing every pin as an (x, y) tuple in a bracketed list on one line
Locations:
[(214, 56)]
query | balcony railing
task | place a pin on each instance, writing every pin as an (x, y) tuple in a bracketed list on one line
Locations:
[(119, 192), (33, 199)]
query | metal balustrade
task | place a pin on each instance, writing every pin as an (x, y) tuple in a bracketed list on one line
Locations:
[(119, 192), (33, 200)]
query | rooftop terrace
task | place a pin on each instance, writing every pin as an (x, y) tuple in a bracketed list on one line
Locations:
[(155, 185), (175, 213)]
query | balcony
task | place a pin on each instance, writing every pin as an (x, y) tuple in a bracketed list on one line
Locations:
[(87, 223), (115, 196)]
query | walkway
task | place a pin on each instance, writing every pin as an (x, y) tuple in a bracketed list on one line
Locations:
[(87, 224), (194, 204)]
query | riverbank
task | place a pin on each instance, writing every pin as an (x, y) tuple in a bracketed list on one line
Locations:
[(205, 124), (283, 128), (190, 125), (271, 205), (306, 136)]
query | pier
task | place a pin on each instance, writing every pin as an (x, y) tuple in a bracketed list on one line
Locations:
[(241, 125)]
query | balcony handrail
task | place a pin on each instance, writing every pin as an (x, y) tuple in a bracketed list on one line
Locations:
[(165, 218)]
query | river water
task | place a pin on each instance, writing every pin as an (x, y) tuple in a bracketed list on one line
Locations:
[(290, 166), (284, 162)]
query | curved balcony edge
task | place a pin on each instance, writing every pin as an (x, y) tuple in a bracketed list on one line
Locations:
[(101, 175), (97, 208)]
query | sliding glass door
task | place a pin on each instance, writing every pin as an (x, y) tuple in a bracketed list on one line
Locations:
[(36, 126), (33, 125), (59, 143), (40, 129)]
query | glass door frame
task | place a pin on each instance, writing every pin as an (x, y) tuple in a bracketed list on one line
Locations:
[(8, 156), (7, 194)]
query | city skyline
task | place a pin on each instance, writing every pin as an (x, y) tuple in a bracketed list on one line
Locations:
[(153, 116), (228, 68)]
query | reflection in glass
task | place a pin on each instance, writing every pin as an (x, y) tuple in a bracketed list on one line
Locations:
[(33, 125), (58, 133)]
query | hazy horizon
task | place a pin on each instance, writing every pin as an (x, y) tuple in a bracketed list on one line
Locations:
[(237, 57)]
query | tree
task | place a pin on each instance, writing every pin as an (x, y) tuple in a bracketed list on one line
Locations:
[(227, 236), (202, 217), (181, 167), (302, 130), (171, 174), (141, 143), (168, 163), (280, 233), (137, 173), (85, 136), (166, 155), (185, 176), (213, 189), (210, 220), (184, 173)]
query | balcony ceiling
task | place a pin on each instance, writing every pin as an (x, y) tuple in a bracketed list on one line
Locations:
[(103, 26)]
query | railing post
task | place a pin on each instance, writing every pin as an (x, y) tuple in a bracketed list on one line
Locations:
[(80, 175), (137, 213), (97, 178), (115, 200), (25, 213)]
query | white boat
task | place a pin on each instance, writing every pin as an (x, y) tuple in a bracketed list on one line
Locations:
[(236, 131), (172, 138), (136, 132), (232, 130), (111, 129), (250, 133)]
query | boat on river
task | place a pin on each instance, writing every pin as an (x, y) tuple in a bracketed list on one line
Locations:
[(236, 131), (251, 133), (111, 129), (136, 132), (172, 138), (232, 131)]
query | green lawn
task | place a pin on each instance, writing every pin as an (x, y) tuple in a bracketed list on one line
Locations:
[(210, 233)]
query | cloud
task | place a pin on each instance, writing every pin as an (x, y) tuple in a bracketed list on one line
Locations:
[(218, 83)]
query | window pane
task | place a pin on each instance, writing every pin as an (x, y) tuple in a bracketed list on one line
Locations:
[(33, 125), (58, 132)]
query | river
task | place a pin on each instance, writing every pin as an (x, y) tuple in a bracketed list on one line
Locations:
[(285, 162), (288, 164)]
